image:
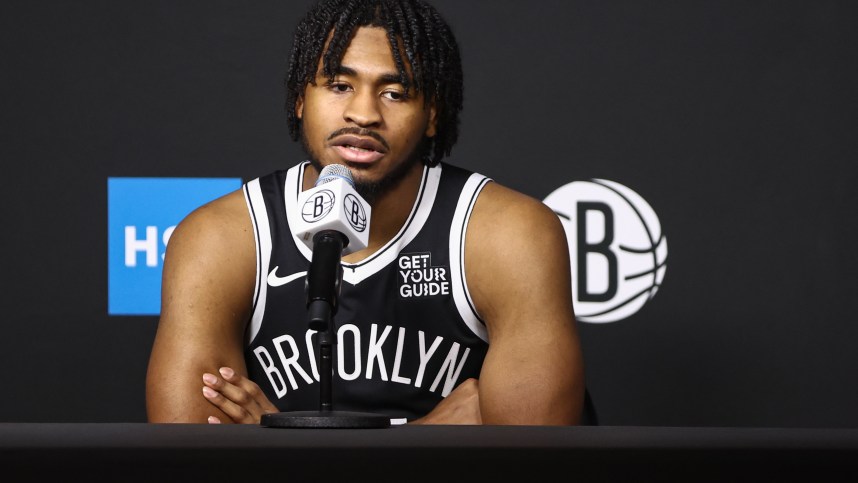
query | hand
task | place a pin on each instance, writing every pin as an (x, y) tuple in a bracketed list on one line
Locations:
[(237, 396), (461, 406)]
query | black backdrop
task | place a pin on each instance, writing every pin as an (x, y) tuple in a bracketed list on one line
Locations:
[(735, 120)]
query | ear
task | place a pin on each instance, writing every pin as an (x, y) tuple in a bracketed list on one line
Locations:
[(432, 126), (299, 107)]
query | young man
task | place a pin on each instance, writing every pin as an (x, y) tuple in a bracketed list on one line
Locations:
[(459, 311)]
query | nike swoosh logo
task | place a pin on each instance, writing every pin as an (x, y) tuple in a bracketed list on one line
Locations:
[(275, 281)]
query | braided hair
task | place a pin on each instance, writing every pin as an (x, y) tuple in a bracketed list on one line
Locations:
[(413, 27)]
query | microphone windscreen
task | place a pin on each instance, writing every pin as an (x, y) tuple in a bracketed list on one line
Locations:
[(332, 172)]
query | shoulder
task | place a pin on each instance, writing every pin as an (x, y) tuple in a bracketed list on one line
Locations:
[(516, 252), (500, 209), (525, 221), (226, 212), (218, 228)]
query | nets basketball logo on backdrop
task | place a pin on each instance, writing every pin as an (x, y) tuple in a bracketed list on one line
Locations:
[(617, 248)]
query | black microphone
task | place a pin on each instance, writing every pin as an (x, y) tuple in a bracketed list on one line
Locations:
[(324, 279), (334, 221)]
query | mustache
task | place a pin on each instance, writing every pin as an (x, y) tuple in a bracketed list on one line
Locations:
[(357, 131)]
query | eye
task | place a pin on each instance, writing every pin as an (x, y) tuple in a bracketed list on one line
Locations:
[(339, 87), (395, 95)]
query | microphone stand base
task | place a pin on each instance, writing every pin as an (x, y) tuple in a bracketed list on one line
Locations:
[(324, 419)]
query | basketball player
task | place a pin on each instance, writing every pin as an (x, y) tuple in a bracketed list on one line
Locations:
[(459, 311)]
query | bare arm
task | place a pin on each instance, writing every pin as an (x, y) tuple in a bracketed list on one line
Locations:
[(206, 294), (518, 271)]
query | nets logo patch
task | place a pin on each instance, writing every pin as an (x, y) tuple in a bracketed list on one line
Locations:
[(141, 215), (617, 248), (356, 214), (318, 206)]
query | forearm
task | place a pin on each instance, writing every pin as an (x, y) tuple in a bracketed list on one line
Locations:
[(175, 395), (174, 380), (544, 388), (461, 406)]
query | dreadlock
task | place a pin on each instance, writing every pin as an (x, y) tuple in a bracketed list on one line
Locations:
[(413, 27)]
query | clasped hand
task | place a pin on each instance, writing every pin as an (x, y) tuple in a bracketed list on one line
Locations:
[(244, 402)]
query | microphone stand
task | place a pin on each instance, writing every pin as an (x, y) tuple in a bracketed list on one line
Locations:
[(323, 287)]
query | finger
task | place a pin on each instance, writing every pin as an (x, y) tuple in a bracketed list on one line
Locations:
[(228, 375), (244, 401), (235, 411), (237, 389), (212, 381), (214, 420), (250, 389), (227, 372)]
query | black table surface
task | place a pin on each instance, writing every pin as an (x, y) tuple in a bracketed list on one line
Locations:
[(200, 452)]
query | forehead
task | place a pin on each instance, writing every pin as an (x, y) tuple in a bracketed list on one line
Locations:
[(368, 51)]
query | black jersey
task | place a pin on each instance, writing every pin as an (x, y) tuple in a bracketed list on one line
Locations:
[(406, 330)]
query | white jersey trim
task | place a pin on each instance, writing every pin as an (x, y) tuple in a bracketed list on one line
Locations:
[(458, 228), (294, 184), (262, 236)]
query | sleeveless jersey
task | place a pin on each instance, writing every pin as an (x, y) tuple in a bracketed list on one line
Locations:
[(406, 329)]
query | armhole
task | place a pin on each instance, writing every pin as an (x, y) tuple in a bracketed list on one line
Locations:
[(262, 236), (458, 228)]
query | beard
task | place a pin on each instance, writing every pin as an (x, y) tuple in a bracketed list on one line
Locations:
[(372, 190)]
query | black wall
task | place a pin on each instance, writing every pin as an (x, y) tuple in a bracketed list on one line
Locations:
[(735, 120)]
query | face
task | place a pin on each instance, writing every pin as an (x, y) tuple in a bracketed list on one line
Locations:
[(364, 118)]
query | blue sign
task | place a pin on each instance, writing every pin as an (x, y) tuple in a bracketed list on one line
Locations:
[(141, 216)]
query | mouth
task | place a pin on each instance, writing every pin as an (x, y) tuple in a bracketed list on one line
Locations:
[(358, 149)]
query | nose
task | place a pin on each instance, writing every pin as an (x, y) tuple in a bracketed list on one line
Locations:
[(363, 110)]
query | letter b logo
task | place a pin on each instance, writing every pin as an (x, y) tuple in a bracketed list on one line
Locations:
[(616, 246), (588, 248), (317, 206), (354, 212)]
